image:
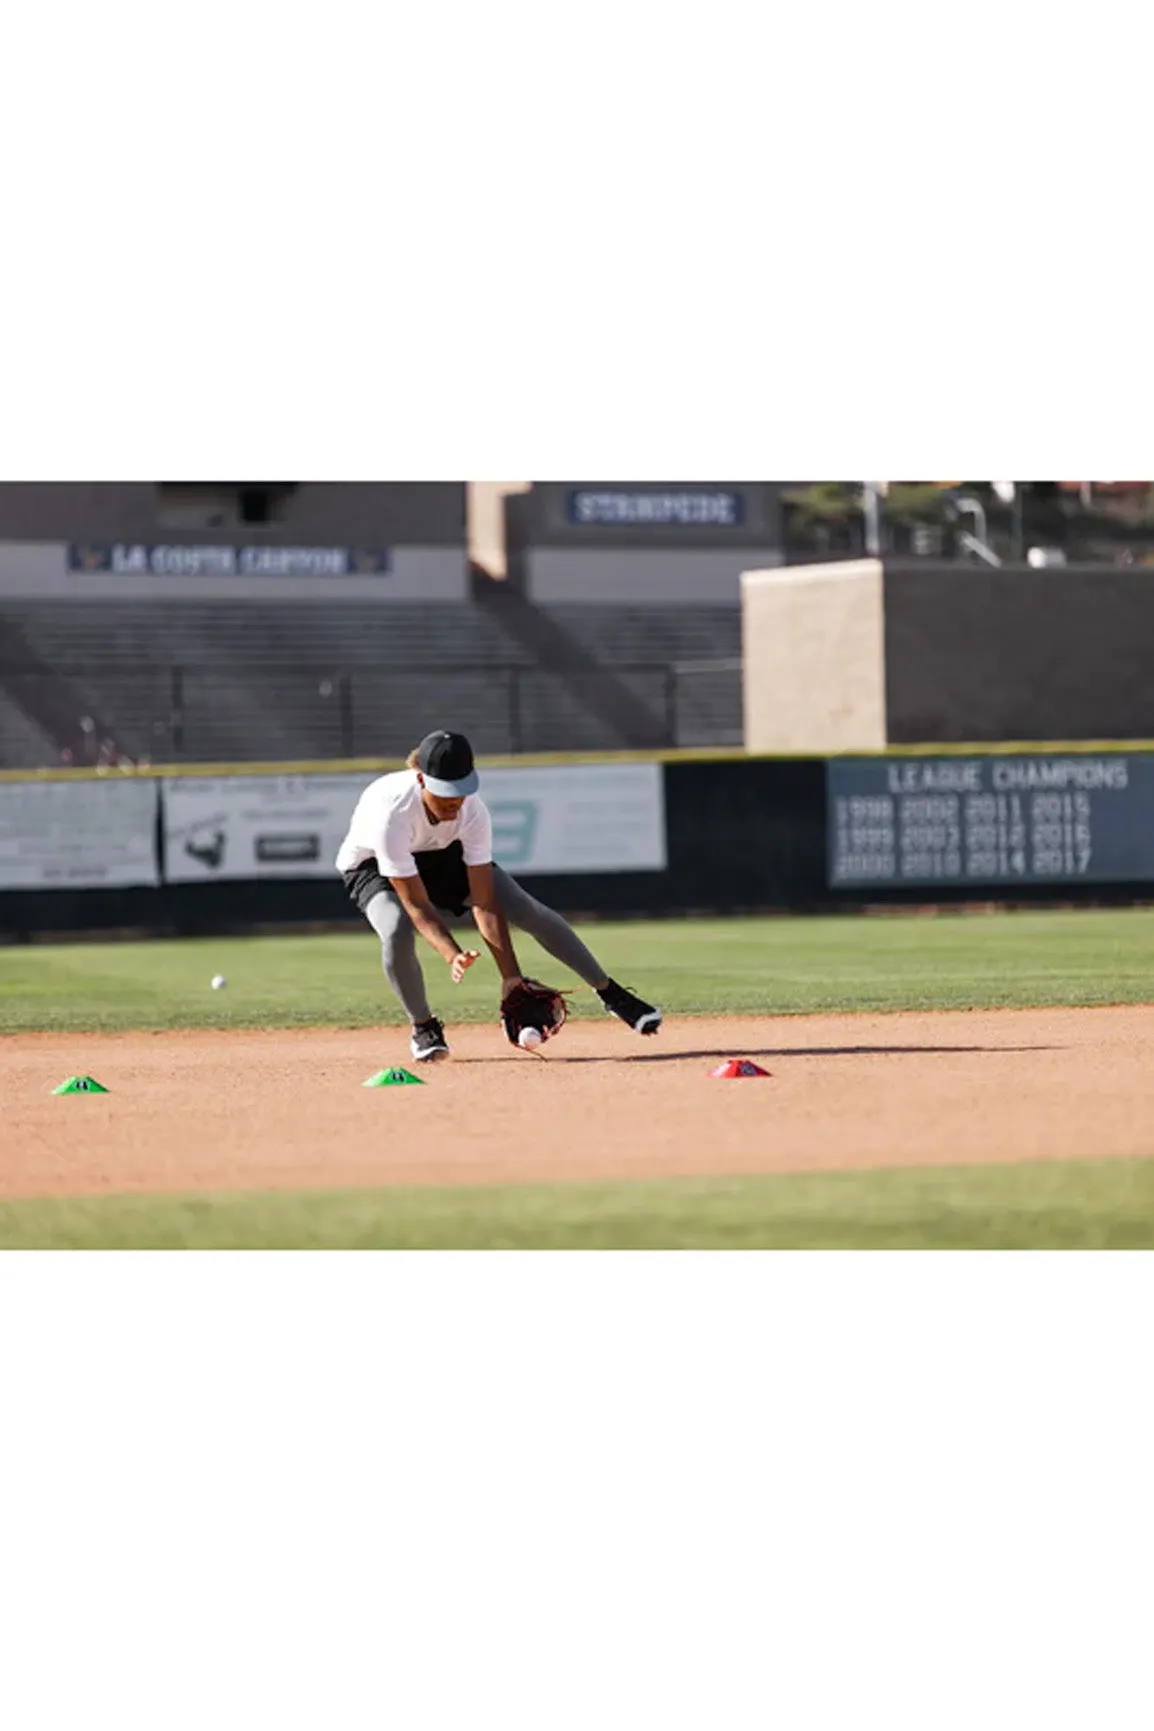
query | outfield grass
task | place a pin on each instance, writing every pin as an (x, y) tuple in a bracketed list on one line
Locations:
[(760, 966), (1107, 1205)]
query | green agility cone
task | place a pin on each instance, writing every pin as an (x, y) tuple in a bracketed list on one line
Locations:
[(394, 1079), (80, 1085)]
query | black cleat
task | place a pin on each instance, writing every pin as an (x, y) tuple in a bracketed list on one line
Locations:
[(428, 1044), (631, 1009)]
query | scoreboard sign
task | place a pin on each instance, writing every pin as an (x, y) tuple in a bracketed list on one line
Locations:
[(990, 821)]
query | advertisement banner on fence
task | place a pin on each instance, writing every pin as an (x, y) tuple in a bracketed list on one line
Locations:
[(255, 826), (588, 817), (580, 818), (77, 834)]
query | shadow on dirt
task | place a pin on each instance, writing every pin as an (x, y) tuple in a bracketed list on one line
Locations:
[(661, 1057)]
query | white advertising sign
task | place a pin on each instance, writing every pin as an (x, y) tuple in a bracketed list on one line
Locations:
[(577, 818), (98, 834), (588, 817), (256, 826)]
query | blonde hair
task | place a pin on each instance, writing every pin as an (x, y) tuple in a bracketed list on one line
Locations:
[(413, 759)]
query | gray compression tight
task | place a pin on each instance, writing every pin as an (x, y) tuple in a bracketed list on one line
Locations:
[(399, 940)]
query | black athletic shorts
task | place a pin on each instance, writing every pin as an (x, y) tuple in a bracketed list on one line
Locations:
[(442, 871)]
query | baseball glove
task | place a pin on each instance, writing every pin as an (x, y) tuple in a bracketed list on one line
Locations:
[(532, 1005)]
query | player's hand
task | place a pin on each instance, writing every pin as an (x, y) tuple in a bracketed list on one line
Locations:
[(461, 963), (509, 985)]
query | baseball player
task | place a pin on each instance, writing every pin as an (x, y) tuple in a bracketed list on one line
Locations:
[(418, 855)]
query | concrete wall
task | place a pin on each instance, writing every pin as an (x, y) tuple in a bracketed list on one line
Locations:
[(555, 558), (486, 505), (852, 656), (814, 661), (631, 577), (976, 654), (318, 513)]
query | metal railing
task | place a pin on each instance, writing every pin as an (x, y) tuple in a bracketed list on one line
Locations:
[(192, 712)]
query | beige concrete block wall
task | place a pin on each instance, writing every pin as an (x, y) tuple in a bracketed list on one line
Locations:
[(486, 510), (813, 644)]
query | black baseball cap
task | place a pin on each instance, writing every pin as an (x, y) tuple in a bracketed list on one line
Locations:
[(446, 762)]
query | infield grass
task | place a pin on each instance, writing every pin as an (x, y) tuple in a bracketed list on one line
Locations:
[(1092, 1205), (743, 966)]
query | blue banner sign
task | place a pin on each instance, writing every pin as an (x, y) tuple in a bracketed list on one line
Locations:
[(144, 559)]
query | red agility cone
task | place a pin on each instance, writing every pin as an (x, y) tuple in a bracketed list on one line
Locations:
[(733, 1068)]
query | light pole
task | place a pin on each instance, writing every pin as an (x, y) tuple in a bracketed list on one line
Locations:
[(1012, 493), (871, 505)]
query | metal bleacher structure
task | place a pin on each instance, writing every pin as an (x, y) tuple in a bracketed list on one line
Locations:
[(23, 744), (164, 677)]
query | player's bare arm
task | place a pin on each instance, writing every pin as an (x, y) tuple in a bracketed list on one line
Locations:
[(493, 926), (421, 911)]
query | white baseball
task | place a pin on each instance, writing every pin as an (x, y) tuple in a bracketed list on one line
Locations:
[(529, 1037), (218, 980)]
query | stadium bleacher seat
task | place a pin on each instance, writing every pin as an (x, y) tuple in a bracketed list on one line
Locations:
[(245, 681), (23, 745)]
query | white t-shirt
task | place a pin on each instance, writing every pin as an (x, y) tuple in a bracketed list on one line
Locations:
[(390, 822)]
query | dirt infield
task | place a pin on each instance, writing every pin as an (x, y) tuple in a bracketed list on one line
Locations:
[(253, 1111)]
